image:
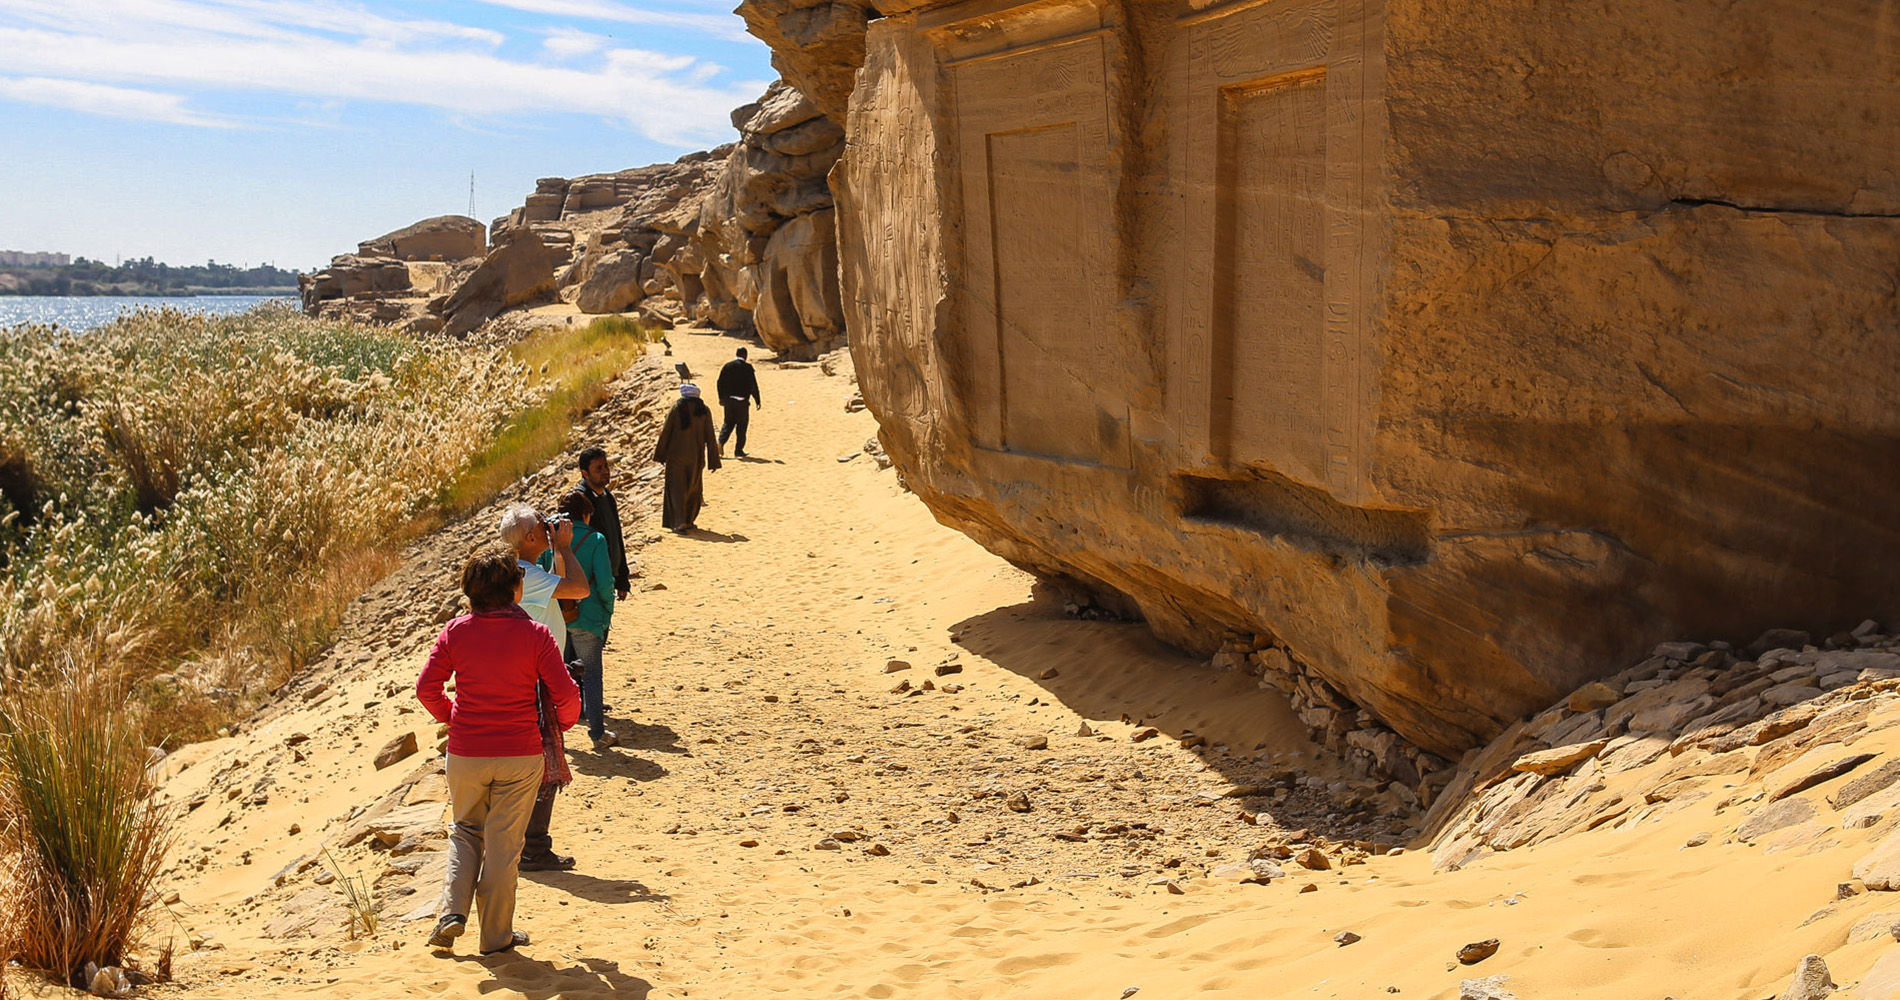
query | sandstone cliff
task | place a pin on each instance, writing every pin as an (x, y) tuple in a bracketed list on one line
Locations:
[(1460, 353), (741, 238)]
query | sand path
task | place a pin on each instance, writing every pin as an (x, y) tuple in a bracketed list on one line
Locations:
[(781, 822)]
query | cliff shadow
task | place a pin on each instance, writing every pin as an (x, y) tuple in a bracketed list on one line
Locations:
[(1123, 681)]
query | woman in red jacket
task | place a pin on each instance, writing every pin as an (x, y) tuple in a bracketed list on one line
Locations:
[(496, 654)]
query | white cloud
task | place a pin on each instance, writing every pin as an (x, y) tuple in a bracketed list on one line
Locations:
[(93, 55), (98, 99), (569, 43)]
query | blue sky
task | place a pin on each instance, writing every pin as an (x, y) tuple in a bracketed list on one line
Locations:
[(285, 131)]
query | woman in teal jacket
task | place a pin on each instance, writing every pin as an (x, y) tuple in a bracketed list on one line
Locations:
[(588, 633)]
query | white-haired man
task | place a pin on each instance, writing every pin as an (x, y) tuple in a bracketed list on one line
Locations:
[(537, 549)]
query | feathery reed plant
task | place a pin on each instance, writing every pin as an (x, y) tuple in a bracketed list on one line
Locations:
[(82, 837), (574, 368), (198, 497), (356, 897)]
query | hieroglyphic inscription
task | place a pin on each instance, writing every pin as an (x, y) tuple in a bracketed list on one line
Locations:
[(1268, 339), (1033, 138)]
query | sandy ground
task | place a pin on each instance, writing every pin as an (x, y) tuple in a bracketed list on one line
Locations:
[(748, 679)]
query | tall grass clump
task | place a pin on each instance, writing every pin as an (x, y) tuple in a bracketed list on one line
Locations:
[(190, 501), (82, 839), (573, 368)]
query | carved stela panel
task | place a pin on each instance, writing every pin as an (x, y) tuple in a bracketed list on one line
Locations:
[(1269, 294), (1033, 136), (1269, 339)]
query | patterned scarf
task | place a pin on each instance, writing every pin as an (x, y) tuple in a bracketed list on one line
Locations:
[(553, 749)]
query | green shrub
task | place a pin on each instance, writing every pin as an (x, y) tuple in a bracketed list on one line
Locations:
[(82, 837)]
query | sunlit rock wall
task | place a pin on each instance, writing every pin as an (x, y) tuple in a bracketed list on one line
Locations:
[(1466, 349)]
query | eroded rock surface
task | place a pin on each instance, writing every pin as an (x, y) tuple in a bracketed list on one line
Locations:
[(766, 232), (1763, 760), (1399, 334)]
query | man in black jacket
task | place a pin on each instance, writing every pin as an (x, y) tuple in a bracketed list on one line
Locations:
[(595, 473), (737, 384)]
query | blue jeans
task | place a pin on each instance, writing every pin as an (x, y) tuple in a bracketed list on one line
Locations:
[(587, 649)]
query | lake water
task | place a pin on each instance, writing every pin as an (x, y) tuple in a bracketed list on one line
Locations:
[(83, 312)]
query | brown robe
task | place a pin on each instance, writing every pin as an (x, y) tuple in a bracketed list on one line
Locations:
[(686, 451)]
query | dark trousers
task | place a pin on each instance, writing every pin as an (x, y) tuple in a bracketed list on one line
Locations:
[(738, 414), (539, 841)]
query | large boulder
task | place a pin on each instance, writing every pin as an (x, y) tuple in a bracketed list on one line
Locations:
[(798, 311), (1464, 351), (445, 237), (613, 283), (518, 272)]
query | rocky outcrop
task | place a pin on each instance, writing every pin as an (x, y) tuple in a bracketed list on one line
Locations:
[(1397, 335), (390, 278), (518, 272), (742, 238), (443, 238), (1760, 727), (352, 277), (816, 46), (766, 233)]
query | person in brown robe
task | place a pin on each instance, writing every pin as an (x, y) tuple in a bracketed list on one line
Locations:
[(689, 444)]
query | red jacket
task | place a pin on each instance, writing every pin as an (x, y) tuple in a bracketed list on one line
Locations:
[(495, 657)]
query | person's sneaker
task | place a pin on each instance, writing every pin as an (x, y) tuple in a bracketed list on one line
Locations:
[(549, 862), (519, 938), (605, 740), (447, 930)]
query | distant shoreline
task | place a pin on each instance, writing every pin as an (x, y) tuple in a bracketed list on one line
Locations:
[(154, 294)]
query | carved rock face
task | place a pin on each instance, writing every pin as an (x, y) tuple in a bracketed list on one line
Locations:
[(1468, 353)]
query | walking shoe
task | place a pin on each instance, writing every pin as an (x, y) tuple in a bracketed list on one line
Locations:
[(549, 862), (447, 930), (605, 740), (518, 939)]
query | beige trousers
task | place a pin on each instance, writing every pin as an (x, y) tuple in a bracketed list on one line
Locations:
[(491, 799)]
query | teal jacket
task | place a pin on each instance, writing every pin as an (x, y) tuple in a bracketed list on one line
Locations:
[(597, 608)]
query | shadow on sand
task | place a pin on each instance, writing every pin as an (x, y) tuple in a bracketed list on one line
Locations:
[(1124, 681), (518, 973), (611, 892), (625, 760), (701, 534)]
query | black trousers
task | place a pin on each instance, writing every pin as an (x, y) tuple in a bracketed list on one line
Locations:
[(539, 842), (738, 414)]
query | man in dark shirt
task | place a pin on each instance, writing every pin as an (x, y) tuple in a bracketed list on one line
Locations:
[(595, 473), (737, 384)]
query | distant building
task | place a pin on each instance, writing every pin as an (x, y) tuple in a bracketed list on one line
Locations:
[(20, 258)]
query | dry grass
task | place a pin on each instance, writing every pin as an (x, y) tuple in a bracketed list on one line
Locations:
[(212, 490), (573, 368), (83, 837), (187, 506)]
